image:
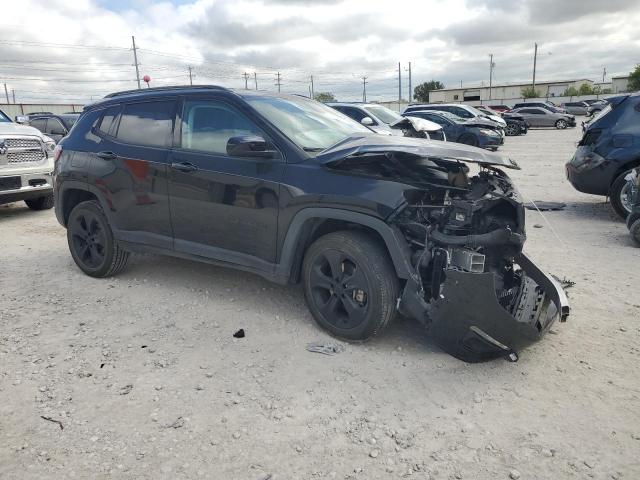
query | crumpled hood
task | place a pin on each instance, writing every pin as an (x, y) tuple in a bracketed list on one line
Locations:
[(7, 129), (481, 122), (419, 124), (371, 144)]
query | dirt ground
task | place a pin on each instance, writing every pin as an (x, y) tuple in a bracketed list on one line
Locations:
[(147, 381)]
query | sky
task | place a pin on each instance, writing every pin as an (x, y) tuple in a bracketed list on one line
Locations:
[(77, 51)]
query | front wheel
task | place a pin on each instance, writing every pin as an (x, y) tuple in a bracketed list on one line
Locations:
[(512, 130), (40, 203), (91, 241), (620, 195), (350, 285), (635, 231), (561, 124)]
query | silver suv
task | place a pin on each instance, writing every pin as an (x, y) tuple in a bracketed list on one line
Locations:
[(26, 164)]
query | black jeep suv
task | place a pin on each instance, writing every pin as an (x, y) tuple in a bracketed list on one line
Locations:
[(293, 190)]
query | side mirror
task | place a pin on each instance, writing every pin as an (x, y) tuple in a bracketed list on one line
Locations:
[(22, 119), (249, 146), (367, 121), (58, 130)]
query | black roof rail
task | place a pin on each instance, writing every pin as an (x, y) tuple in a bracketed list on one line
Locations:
[(161, 89)]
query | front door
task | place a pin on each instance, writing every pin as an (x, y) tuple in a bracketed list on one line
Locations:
[(222, 207)]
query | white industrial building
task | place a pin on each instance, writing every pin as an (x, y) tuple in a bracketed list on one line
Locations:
[(620, 84), (504, 91)]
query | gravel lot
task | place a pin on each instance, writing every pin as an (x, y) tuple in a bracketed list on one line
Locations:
[(147, 380)]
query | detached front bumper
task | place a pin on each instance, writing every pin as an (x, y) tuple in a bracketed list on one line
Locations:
[(468, 321)]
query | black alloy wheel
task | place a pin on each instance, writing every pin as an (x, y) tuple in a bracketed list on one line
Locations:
[(350, 284), (91, 241), (512, 130)]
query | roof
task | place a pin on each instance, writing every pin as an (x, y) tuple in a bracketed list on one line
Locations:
[(516, 84)]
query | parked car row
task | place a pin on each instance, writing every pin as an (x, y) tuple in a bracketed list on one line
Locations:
[(52, 125)]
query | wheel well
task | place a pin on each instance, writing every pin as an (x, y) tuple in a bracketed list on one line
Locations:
[(624, 168), (315, 228), (73, 197)]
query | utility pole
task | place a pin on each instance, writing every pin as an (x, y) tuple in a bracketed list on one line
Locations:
[(135, 59), (246, 80), (6, 92), (490, 73), (278, 81), (399, 86), (410, 91), (535, 58), (313, 93), (13, 94), (190, 75), (604, 73), (255, 79), (364, 89)]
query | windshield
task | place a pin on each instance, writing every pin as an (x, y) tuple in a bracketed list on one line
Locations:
[(477, 112), (451, 116), (309, 124), (4, 118), (384, 114)]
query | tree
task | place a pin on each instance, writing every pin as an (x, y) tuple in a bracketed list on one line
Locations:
[(585, 89), (634, 79), (421, 92), (325, 97), (571, 92), (529, 92)]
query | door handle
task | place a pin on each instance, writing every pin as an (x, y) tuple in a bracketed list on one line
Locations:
[(107, 155), (184, 167)]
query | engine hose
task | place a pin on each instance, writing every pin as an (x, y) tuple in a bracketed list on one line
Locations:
[(503, 236)]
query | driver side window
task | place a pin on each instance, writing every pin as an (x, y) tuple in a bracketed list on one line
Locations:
[(208, 125)]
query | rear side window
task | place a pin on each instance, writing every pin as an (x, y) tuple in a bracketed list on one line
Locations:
[(147, 124), (106, 122), (354, 113)]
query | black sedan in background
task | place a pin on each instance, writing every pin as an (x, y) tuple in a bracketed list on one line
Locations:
[(476, 132), (54, 126)]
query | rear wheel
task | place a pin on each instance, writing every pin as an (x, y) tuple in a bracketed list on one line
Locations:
[(620, 195), (91, 241), (561, 124), (40, 203), (469, 139), (350, 285)]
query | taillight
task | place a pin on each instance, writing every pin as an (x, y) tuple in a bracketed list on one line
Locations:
[(56, 153)]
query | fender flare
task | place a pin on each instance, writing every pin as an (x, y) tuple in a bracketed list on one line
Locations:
[(395, 242), (67, 185)]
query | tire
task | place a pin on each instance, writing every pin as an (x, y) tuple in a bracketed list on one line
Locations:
[(634, 229), (512, 130), (617, 195), (40, 203), (350, 285), (561, 124), (91, 241), (468, 139)]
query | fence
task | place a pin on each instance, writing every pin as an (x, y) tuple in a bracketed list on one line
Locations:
[(15, 109)]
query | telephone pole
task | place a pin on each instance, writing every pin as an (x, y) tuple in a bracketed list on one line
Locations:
[(13, 93), (278, 81), (604, 73), (313, 94), (255, 79), (410, 91), (190, 75), (364, 89), (6, 92), (535, 58), (135, 59), (490, 73), (246, 80), (399, 86)]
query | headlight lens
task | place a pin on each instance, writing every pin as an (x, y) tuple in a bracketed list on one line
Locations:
[(586, 159), (50, 146), (486, 131)]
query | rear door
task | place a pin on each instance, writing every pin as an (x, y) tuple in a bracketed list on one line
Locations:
[(129, 167), (222, 207), (55, 129)]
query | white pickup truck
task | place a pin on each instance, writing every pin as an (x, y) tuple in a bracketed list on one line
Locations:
[(26, 165)]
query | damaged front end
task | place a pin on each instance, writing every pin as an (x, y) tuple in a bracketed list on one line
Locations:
[(471, 284)]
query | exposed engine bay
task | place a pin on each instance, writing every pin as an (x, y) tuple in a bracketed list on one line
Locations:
[(479, 295)]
